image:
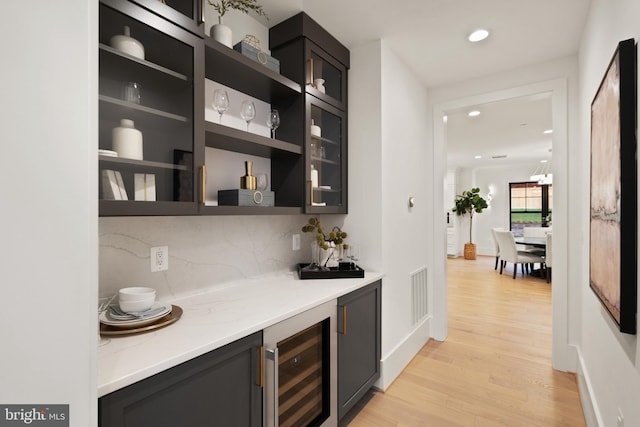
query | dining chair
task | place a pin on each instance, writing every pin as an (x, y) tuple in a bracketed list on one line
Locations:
[(547, 258), (509, 253), (495, 241)]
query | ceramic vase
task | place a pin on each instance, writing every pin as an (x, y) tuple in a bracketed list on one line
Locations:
[(127, 140), (222, 34), (127, 44)]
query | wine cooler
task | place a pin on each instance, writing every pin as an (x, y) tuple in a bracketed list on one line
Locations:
[(301, 372)]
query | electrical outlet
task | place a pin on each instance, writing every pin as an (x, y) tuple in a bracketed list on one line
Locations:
[(159, 257), (295, 242)]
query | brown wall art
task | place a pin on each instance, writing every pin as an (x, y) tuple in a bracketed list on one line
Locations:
[(612, 260)]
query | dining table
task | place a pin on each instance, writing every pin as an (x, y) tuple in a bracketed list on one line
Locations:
[(536, 242)]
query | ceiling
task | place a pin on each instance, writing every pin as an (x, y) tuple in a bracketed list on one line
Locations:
[(430, 37)]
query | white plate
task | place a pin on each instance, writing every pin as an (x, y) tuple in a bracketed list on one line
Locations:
[(107, 320)]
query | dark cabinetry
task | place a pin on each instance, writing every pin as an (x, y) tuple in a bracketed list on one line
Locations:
[(218, 388), (169, 77), (189, 14), (317, 61), (359, 323)]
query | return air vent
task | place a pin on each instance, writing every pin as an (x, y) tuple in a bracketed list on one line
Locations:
[(419, 309), (499, 156)]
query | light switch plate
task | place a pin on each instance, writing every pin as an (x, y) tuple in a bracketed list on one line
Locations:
[(295, 242), (159, 258)]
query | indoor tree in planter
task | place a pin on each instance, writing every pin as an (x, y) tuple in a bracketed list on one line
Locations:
[(468, 203), (221, 32)]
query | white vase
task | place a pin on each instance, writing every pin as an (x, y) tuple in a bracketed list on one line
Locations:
[(127, 44), (222, 34), (127, 140)]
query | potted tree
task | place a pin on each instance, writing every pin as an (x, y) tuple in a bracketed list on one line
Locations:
[(468, 203)]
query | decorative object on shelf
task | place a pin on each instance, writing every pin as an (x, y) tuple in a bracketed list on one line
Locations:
[(145, 187), (245, 197), (319, 84), (220, 101), (333, 243), (127, 44), (248, 181), (131, 92), (469, 202), (315, 129), (250, 47), (113, 185), (273, 121), (220, 32), (262, 181), (127, 140), (247, 111), (107, 153), (314, 176)]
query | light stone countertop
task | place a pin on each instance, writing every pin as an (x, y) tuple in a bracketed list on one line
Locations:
[(212, 319)]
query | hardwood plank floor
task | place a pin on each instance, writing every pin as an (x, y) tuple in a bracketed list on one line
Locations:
[(494, 369)]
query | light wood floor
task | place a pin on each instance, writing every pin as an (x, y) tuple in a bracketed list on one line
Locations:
[(494, 369)]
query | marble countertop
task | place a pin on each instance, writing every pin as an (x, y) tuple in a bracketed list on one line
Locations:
[(212, 319)]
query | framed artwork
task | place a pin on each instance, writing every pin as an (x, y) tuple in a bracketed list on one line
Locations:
[(613, 235)]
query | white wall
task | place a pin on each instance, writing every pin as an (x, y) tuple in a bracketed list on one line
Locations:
[(388, 161), (609, 360), (48, 255)]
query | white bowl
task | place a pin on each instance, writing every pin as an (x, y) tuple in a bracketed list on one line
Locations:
[(135, 306), (136, 298)]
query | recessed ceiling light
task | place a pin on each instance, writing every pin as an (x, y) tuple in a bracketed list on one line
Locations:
[(474, 113), (543, 161), (445, 118), (478, 35), (548, 131), (478, 157)]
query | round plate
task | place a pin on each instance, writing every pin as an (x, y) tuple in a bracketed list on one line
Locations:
[(109, 153), (126, 324), (176, 313)]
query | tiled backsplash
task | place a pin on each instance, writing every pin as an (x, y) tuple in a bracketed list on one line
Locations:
[(204, 251)]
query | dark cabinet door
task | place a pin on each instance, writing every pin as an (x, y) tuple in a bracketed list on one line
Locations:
[(326, 76), (326, 158), (189, 14), (217, 388), (163, 176), (358, 344)]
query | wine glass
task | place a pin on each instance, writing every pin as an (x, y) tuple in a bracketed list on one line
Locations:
[(247, 111), (220, 101), (273, 121)]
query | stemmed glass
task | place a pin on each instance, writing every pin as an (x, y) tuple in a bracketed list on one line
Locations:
[(220, 101), (273, 121), (247, 111)]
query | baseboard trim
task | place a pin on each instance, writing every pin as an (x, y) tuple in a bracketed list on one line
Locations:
[(394, 362), (590, 410)]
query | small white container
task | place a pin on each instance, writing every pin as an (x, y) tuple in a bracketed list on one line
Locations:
[(127, 140), (319, 84), (127, 44), (315, 130), (136, 299)]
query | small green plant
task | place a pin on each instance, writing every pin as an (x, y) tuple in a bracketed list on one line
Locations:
[(335, 236), (244, 6), (469, 202)]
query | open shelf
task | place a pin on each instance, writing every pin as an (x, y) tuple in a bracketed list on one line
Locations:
[(231, 68), (144, 62), (239, 141), (250, 210), (143, 163), (142, 108)]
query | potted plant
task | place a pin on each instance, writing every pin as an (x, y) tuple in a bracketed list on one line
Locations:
[(468, 203), (329, 243), (221, 32)]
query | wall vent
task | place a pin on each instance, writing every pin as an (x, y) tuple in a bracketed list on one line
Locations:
[(419, 295)]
